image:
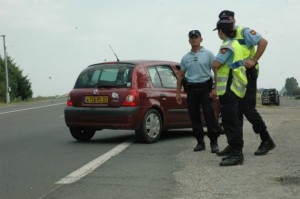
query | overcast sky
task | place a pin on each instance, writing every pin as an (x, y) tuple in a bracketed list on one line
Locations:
[(52, 41)]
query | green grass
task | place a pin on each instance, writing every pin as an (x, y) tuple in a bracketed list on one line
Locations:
[(34, 99)]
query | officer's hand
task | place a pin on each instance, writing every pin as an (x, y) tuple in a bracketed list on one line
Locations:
[(178, 98), (249, 63), (213, 93)]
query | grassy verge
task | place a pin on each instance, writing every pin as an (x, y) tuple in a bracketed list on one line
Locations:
[(34, 99)]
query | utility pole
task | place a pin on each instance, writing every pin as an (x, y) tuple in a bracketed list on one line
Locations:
[(6, 71)]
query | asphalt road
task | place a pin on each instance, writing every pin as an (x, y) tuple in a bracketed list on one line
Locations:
[(37, 152), (272, 176)]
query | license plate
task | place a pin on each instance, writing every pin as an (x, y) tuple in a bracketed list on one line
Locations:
[(96, 99)]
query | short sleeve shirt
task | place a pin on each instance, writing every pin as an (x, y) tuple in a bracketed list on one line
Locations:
[(197, 65), (251, 37), (225, 55)]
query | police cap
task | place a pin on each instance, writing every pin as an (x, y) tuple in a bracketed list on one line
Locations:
[(194, 32), (223, 21), (226, 13)]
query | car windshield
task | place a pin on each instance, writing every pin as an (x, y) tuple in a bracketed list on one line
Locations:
[(268, 92), (105, 76)]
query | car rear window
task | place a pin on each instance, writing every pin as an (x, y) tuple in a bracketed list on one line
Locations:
[(265, 93), (105, 75), (269, 92)]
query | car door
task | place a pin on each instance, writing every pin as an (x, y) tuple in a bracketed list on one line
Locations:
[(164, 83)]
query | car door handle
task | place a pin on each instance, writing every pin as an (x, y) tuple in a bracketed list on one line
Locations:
[(163, 96)]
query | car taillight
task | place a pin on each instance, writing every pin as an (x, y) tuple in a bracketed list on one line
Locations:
[(69, 102), (131, 99)]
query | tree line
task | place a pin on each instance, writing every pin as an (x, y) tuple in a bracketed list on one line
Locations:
[(291, 85), (20, 86)]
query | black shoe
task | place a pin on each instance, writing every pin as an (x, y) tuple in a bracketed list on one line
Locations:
[(200, 146), (265, 147), (225, 157), (214, 147), (225, 152), (236, 158)]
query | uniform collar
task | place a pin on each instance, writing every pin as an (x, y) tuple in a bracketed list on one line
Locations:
[(200, 50), (228, 39)]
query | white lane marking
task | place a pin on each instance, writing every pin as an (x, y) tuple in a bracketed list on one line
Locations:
[(52, 190), (61, 116), (26, 109), (91, 166)]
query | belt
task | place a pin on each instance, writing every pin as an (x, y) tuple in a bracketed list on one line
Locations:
[(196, 84)]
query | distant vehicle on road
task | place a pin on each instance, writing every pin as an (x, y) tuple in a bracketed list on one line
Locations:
[(134, 95), (270, 96)]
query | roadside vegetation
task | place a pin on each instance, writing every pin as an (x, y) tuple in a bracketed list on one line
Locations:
[(34, 99), (19, 85)]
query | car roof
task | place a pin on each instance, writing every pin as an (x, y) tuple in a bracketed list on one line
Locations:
[(269, 89), (137, 62)]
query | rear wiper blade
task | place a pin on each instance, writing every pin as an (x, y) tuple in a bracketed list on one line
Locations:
[(106, 86)]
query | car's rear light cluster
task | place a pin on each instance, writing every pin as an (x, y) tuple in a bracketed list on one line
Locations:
[(131, 99), (69, 102)]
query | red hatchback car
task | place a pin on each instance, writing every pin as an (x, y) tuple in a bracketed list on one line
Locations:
[(135, 95)]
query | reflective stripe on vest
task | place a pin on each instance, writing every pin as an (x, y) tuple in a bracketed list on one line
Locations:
[(222, 79), (239, 78)]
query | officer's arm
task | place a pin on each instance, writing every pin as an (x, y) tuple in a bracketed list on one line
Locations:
[(179, 86), (179, 80), (261, 47), (253, 38), (215, 67)]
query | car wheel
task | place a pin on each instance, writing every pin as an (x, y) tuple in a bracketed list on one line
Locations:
[(82, 134), (151, 127)]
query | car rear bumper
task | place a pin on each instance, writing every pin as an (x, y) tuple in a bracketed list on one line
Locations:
[(269, 101), (102, 118)]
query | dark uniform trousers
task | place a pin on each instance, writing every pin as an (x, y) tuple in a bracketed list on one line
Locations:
[(248, 104), (232, 119), (197, 96)]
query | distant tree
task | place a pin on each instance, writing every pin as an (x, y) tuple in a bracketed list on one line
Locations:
[(19, 84), (291, 84), (296, 91)]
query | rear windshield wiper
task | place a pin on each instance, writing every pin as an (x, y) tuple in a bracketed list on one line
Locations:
[(105, 86)]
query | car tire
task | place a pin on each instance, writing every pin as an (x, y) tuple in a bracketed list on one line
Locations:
[(82, 134), (151, 127)]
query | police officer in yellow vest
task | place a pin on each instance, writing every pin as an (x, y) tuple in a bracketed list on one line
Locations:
[(231, 83), (248, 39)]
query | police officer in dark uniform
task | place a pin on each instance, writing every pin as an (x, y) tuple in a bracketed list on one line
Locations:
[(231, 83), (248, 39), (196, 72)]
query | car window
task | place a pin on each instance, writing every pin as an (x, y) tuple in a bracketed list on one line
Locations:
[(269, 92), (95, 76), (110, 75), (265, 93), (155, 79), (163, 76)]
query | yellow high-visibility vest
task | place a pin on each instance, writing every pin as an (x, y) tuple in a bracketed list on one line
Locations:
[(239, 78), (248, 53)]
